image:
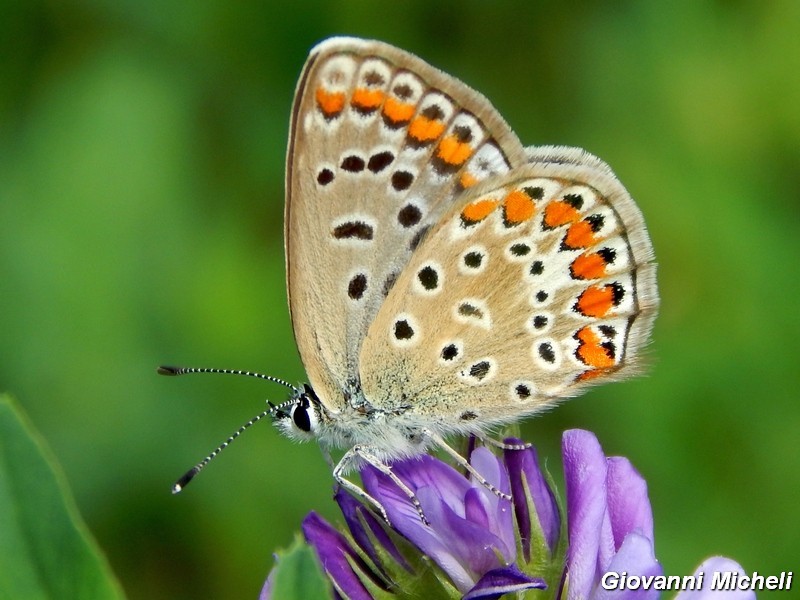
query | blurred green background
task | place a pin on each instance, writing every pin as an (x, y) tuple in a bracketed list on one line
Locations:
[(141, 202)]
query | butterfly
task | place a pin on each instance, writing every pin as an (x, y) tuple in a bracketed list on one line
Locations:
[(443, 279)]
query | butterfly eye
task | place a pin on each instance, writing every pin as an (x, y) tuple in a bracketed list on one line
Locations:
[(303, 420), (301, 417)]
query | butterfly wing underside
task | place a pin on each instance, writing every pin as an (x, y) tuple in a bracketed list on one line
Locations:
[(381, 146), (529, 289)]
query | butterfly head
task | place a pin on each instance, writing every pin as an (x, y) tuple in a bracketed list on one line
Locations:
[(299, 417)]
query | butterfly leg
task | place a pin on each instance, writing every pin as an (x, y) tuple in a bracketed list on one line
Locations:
[(363, 453), (504, 446), (464, 463)]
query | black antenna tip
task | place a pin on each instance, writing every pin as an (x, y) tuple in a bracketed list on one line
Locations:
[(184, 481), (166, 370)]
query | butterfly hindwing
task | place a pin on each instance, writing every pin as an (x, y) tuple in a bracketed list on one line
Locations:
[(529, 288)]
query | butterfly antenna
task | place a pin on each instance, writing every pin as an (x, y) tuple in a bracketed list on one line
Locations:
[(191, 473), (174, 371), (273, 410)]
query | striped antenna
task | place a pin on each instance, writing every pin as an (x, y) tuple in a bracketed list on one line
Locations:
[(191, 473), (273, 411), (175, 371)]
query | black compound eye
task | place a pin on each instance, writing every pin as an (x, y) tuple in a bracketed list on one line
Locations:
[(300, 417)]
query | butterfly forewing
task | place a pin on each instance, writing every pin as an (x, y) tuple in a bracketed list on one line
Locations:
[(381, 146), (531, 287)]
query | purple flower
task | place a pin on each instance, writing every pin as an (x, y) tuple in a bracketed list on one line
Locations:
[(335, 554), (610, 527), (534, 501), (471, 529), (610, 523), (717, 564), (484, 546)]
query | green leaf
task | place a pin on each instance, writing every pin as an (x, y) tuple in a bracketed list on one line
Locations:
[(298, 575), (46, 550)]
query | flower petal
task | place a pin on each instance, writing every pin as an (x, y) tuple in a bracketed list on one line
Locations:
[(716, 564), (266, 591), (501, 520), (492, 470), (333, 550), (476, 508), (441, 548), (475, 546), (635, 558), (469, 524), (585, 477), (352, 509), (501, 581), (405, 518), (527, 462), (427, 471), (628, 503)]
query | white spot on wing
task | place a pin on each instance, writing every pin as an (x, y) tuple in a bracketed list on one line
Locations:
[(472, 311), (522, 391), (440, 100), (355, 242), (474, 249), (337, 74), (414, 85), (399, 329), (459, 348), (545, 321), (515, 250), (487, 161), (543, 350), (479, 372), (424, 271)]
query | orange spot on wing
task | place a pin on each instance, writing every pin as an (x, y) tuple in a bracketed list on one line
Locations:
[(579, 235), (424, 129), (590, 351), (588, 266), (398, 112), (478, 210), (453, 151), (518, 207), (592, 374), (467, 179), (367, 99), (559, 213), (331, 103), (596, 301), (586, 335)]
